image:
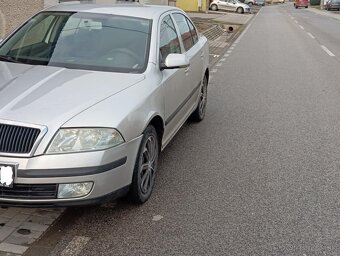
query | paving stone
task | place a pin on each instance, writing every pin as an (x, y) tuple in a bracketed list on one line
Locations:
[(34, 234), (27, 210), (5, 232), (8, 254), (4, 220), (13, 248), (40, 220), (34, 226), (17, 220), (46, 213), (10, 213), (22, 240)]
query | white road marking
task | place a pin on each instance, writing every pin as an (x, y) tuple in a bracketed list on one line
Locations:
[(296, 21), (226, 55), (223, 59), (245, 31), (302, 27), (310, 35), (219, 64), (157, 218), (231, 48), (215, 55), (327, 51), (214, 70), (76, 245), (234, 44), (229, 51)]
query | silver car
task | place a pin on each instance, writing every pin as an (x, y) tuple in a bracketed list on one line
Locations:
[(89, 96), (229, 5)]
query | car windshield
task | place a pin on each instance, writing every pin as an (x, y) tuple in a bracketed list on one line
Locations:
[(88, 41)]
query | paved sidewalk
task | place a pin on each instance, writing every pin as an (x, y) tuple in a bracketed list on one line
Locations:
[(20, 227), (230, 18), (325, 13)]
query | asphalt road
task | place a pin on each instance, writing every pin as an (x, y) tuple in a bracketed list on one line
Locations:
[(259, 176)]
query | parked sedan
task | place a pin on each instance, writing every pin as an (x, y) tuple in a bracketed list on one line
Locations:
[(333, 5), (301, 3), (90, 94), (260, 2), (229, 5)]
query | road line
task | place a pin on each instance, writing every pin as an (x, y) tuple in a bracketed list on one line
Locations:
[(302, 27), (223, 59), (296, 21), (219, 64), (327, 51), (231, 48), (76, 245), (226, 55), (214, 70), (249, 25), (229, 51), (310, 35)]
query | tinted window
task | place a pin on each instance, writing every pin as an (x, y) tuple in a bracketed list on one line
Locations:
[(184, 29), (82, 41), (169, 42)]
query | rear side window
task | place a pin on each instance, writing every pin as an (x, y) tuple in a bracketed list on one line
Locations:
[(169, 42), (184, 29), (193, 31)]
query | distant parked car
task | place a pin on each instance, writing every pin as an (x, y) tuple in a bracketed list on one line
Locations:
[(260, 2), (301, 3), (229, 5), (333, 5), (249, 2)]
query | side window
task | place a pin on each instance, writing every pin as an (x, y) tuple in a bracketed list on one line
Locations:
[(193, 32), (169, 42), (184, 29)]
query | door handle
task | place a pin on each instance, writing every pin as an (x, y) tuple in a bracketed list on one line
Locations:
[(186, 70), (202, 54)]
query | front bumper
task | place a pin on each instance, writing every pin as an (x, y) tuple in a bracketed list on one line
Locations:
[(110, 171)]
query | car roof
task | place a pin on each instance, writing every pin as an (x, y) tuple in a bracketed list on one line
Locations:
[(132, 10)]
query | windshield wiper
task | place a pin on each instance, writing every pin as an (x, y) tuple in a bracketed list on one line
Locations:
[(9, 59)]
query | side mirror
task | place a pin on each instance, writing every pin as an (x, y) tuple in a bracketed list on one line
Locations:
[(175, 60)]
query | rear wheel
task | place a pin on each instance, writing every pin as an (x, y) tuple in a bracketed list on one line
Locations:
[(239, 10), (199, 113), (143, 179), (214, 7), (306, 6)]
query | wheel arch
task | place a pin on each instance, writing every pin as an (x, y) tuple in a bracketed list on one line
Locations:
[(157, 121)]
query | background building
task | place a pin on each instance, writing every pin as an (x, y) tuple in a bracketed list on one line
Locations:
[(15, 12)]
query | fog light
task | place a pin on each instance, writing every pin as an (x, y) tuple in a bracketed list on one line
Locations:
[(74, 189)]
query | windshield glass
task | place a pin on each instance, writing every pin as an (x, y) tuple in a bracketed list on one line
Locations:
[(81, 40)]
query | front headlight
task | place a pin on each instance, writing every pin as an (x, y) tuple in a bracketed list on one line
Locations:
[(70, 140)]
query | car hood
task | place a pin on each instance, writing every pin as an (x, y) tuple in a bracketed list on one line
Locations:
[(51, 96)]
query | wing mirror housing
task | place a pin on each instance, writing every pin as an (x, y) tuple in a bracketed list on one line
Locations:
[(175, 60)]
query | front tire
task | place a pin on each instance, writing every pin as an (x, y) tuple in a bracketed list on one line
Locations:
[(214, 7), (199, 113), (240, 10), (143, 179)]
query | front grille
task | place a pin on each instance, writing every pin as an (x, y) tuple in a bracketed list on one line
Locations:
[(17, 139), (30, 191)]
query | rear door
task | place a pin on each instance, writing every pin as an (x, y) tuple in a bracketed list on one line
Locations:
[(194, 52), (175, 81)]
